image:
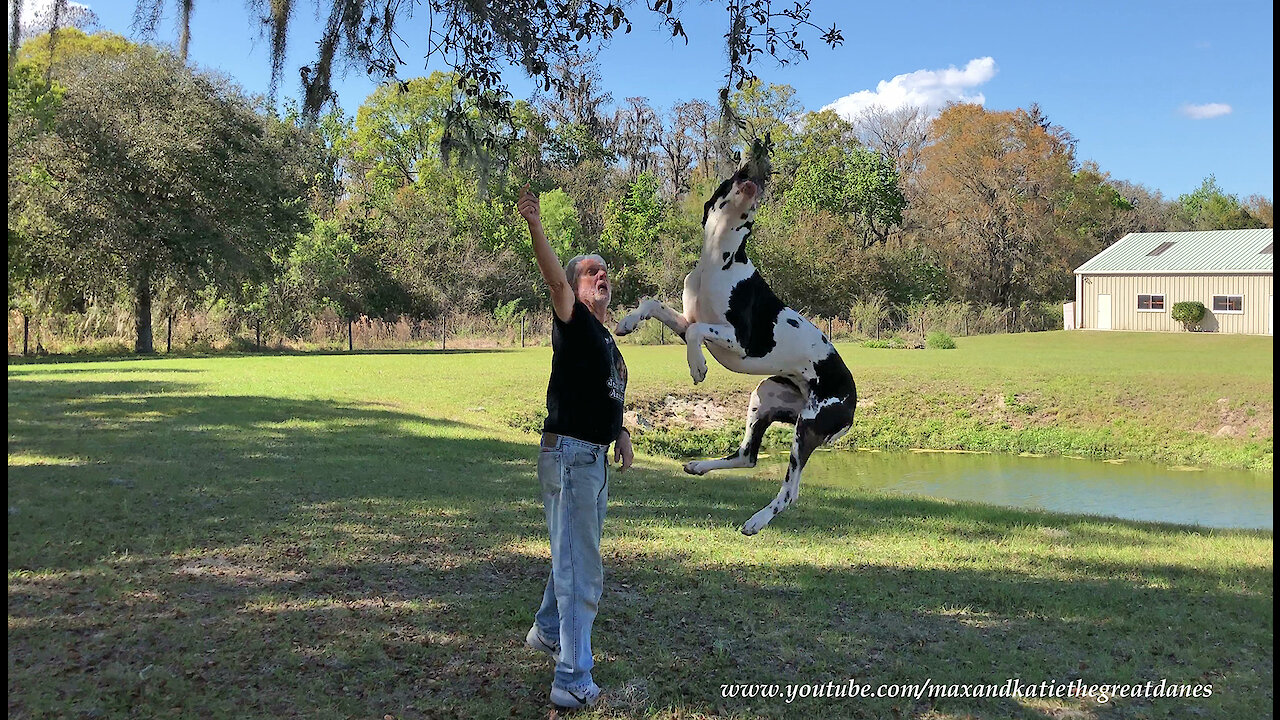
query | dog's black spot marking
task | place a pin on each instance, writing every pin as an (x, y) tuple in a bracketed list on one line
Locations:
[(753, 313), (775, 511), (725, 256), (720, 192), (832, 379), (791, 463), (793, 322), (744, 216), (750, 225), (824, 340), (832, 419), (712, 331), (722, 204), (738, 257), (787, 497)]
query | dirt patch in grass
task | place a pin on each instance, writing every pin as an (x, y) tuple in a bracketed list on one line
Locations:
[(695, 412), (1241, 421)]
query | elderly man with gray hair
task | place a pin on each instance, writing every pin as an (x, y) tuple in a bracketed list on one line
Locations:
[(585, 398)]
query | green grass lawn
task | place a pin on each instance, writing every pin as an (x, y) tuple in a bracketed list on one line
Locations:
[(361, 536)]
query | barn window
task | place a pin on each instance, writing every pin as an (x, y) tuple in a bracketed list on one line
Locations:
[(1160, 248), (1151, 303), (1228, 303)]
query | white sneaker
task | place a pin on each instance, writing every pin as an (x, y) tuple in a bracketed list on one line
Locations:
[(535, 641), (574, 699)]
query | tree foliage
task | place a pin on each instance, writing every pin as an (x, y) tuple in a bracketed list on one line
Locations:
[(159, 173), (133, 179)]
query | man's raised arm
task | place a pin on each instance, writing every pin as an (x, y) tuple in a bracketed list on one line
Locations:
[(561, 294)]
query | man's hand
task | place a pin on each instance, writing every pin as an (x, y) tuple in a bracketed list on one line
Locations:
[(622, 450), (529, 206)]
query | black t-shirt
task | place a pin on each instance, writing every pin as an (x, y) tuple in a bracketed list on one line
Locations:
[(588, 383)]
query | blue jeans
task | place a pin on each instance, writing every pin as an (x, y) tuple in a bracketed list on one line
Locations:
[(575, 489)]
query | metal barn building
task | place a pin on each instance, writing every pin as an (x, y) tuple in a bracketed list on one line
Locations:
[(1134, 283)]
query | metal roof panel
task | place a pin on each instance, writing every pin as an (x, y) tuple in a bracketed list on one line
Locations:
[(1208, 250)]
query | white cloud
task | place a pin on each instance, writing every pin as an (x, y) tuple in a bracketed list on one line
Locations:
[(37, 17), (930, 90), (1206, 111)]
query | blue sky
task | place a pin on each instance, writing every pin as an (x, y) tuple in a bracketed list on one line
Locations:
[(1160, 93)]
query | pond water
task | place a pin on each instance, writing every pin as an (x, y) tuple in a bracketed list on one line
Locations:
[(1210, 497)]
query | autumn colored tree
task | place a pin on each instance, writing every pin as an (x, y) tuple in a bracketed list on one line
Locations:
[(991, 182)]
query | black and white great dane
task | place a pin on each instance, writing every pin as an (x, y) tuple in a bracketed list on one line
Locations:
[(728, 306)]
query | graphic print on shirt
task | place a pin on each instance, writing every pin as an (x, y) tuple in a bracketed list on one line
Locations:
[(617, 375)]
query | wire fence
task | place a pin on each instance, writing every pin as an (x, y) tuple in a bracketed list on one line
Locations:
[(110, 331)]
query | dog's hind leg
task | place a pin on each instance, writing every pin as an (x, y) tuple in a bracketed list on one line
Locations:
[(776, 399), (821, 421)]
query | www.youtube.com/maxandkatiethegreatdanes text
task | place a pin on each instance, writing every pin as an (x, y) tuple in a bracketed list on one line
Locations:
[(1012, 688)]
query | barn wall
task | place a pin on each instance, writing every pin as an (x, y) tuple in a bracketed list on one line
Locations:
[(1257, 290)]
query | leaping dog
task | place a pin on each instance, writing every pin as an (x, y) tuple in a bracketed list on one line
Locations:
[(730, 308)]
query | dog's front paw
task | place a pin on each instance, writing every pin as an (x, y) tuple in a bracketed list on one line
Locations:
[(627, 325)]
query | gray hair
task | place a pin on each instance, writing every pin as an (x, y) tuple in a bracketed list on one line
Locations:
[(571, 269)]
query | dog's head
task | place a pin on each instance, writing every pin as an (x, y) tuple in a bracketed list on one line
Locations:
[(743, 189)]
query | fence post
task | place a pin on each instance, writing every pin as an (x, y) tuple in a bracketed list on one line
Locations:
[(662, 333), (444, 329), (26, 334), (168, 340), (257, 323), (350, 343)]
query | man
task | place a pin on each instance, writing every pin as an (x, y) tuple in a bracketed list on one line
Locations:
[(584, 415)]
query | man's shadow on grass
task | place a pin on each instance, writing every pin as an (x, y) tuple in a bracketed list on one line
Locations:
[(254, 556)]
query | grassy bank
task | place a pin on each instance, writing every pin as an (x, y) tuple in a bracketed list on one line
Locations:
[(1175, 399), (359, 536)]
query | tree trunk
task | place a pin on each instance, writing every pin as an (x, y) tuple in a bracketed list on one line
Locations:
[(142, 315), (26, 333), (168, 338), (258, 328), (350, 343)]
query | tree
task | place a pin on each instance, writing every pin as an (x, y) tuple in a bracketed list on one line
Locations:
[(833, 173), (638, 131), (632, 232), (398, 128), (1260, 207), (33, 105), (147, 16), (677, 144), (580, 143), (48, 19), (162, 173), (992, 181), (1209, 207), (1150, 211)]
